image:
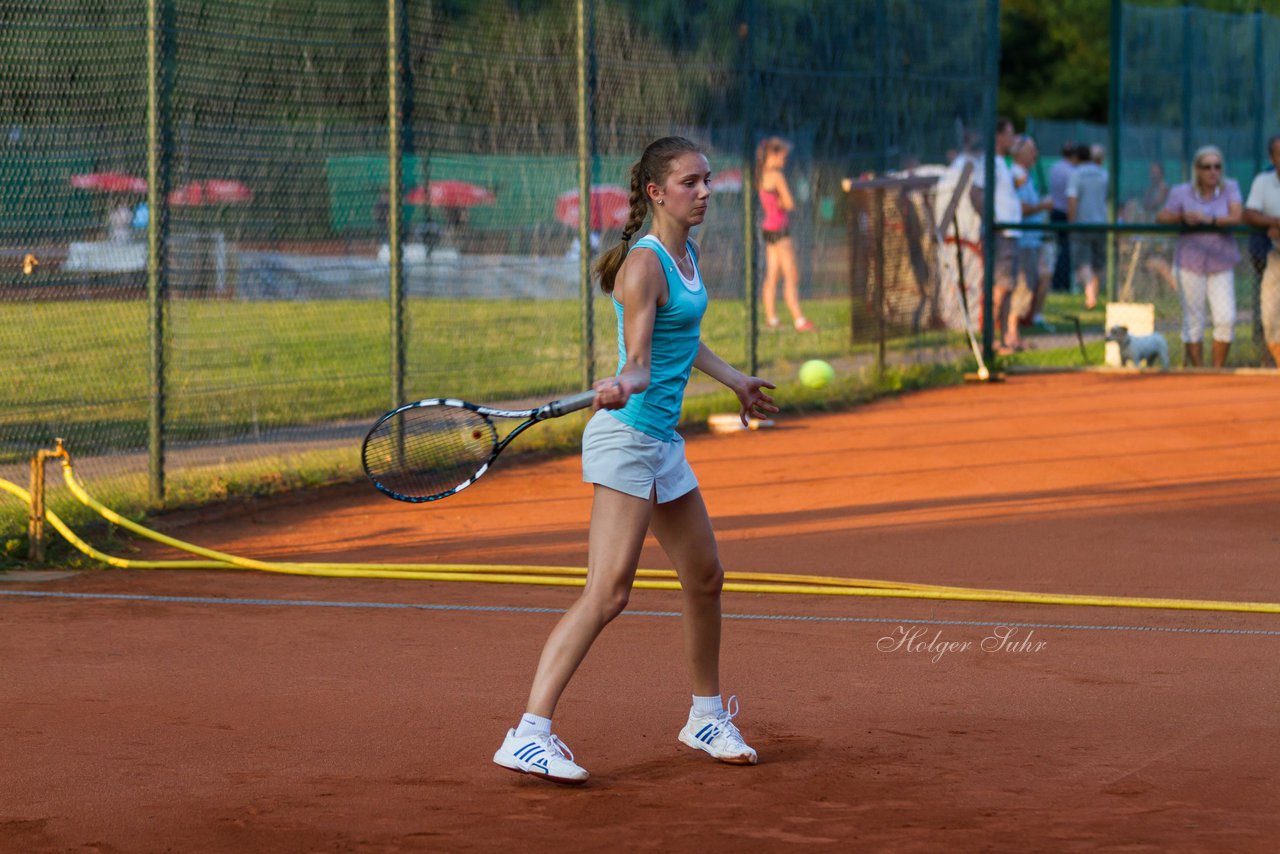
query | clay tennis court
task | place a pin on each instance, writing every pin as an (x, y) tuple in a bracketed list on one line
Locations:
[(241, 711)]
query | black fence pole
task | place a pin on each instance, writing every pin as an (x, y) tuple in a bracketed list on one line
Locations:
[(397, 72), (159, 148), (746, 62), (1114, 117), (586, 157), (989, 233)]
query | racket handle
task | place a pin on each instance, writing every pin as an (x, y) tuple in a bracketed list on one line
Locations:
[(564, 406)]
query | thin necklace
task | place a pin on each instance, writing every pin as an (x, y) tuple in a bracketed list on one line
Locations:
[(682, 258)]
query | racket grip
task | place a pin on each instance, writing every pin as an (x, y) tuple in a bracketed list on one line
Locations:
[(564, 406)]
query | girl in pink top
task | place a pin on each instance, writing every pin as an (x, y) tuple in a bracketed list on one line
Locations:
[(779, 253)]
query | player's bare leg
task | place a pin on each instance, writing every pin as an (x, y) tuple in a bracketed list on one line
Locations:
[(619, 523), (684, 531), (683, 528)]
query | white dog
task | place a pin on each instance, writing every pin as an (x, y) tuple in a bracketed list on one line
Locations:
[(1140, 350)]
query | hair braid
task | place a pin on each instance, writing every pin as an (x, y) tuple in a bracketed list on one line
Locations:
[(653, 167), (611, 261), (639, 203)]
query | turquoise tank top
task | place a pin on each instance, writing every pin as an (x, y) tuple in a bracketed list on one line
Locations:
[(677, 331)]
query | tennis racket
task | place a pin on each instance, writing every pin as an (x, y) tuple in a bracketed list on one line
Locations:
[(431, 449), (983, 373)]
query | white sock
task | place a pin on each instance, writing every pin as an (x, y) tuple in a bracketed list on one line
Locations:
[(707, 707), (531, 724)]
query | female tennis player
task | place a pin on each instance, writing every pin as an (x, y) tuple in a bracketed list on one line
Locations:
[(635, 459)]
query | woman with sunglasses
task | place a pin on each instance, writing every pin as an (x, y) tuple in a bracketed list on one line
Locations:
[(1204, 261)]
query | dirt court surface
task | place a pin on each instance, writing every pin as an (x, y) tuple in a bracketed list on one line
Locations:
[(150, 711)]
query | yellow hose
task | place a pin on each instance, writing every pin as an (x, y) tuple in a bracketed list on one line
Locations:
[(124, 563), (647, 579)]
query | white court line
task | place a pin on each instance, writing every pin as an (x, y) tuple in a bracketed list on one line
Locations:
[(516, 609)]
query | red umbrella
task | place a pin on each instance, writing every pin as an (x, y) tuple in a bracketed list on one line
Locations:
[(728, 181), (109, 182), (211, 192), (450, 194), (610, 207)]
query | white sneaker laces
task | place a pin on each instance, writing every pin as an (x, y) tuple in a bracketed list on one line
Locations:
[(728, 728), (553, 744)]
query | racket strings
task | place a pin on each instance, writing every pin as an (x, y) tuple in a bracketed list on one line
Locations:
[(429, 450)]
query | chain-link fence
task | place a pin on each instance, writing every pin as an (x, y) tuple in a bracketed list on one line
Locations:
[(207, 283), (1187, 77)]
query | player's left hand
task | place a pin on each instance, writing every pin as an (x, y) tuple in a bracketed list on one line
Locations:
[(756, 403)]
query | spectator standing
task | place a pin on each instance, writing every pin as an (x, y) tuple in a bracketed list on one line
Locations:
[(1262, 210), (1087, 205), (1204, 261), (1033, 263), (1059, 175), (1008, 209)]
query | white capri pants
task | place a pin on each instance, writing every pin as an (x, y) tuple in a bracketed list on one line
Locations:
[(1220, 291)]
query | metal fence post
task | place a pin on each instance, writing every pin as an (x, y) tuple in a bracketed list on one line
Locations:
[(878, 243), (989, 238), (746, 61), (396, 74), (586, 121), (880, 85), (159, 148), (1188, 45), (1261, 156), (1113, 122), (1260, 153)]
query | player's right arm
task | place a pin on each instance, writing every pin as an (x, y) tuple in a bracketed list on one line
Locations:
[(640, 286)]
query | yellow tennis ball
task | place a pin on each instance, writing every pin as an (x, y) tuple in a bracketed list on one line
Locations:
[(816, 373)]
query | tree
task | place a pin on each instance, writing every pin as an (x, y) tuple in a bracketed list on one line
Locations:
[(1055, 57)]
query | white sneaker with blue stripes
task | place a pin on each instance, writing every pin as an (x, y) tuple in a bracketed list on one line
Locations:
[(543, 756), (719, 736)]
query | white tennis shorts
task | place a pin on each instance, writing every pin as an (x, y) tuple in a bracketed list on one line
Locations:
[(626, 459)]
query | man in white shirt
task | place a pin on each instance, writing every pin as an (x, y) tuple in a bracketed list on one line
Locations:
[(1262, 210), (1008, 209)]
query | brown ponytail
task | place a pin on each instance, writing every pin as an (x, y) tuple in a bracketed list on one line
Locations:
[(652, 168), (611, 261)]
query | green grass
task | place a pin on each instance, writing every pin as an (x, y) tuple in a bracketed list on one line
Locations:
[(1060, 308), (79, 371)]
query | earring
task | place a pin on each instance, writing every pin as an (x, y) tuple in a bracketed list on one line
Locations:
[(660, 201)]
